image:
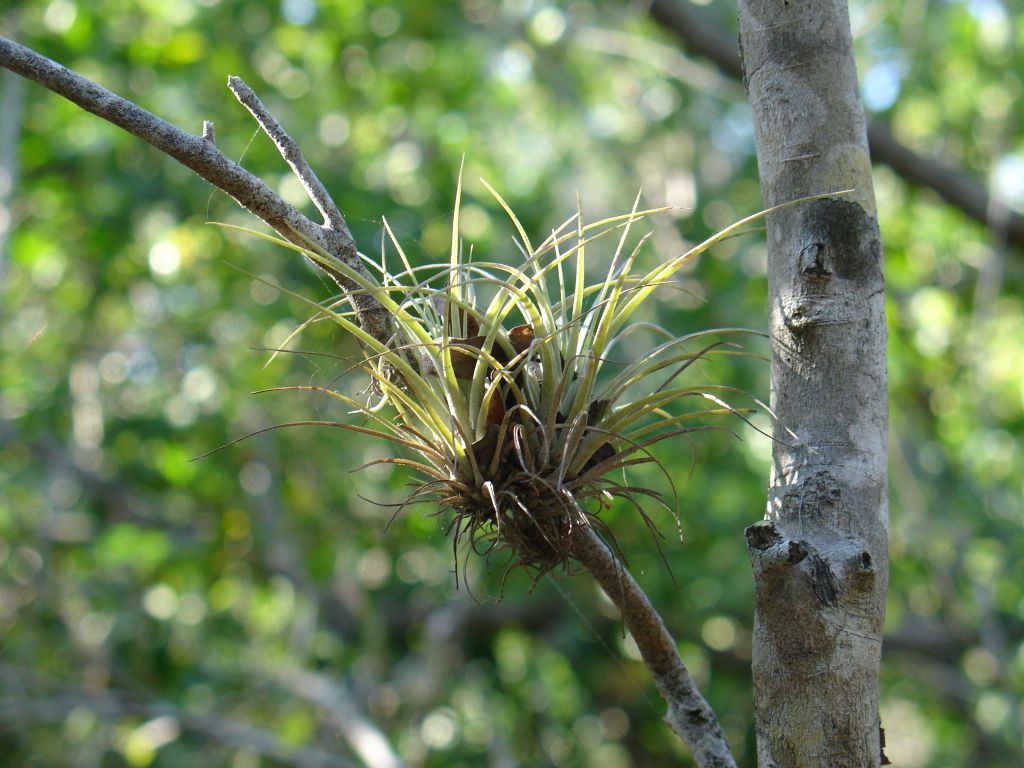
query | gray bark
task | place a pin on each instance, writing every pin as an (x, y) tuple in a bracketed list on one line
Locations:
[(689, 714), (820, 557)]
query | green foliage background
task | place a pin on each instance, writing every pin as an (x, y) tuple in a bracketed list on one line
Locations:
[(150, 604)]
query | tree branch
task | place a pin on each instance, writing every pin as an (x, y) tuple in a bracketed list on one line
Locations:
[(200, 154), (292, 154), (951, 184), (689, 715)]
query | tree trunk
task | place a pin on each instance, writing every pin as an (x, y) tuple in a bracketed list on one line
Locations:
[(820, 557)]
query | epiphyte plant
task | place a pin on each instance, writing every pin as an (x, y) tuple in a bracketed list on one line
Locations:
[(495, 414), (503, 383)]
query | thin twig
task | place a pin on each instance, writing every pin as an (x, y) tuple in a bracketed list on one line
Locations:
[(291, 153), (689, 714)]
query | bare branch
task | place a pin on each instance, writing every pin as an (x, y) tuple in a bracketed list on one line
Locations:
[(698, 35), (201, 155), (951, 184), (292, 154), (689, 715)]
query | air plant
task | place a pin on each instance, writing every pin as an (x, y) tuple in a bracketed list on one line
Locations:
[(501, 389)]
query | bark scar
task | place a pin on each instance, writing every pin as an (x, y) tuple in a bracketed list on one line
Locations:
[(762, 535), (812, 261), (775, 551), (823, 581)]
